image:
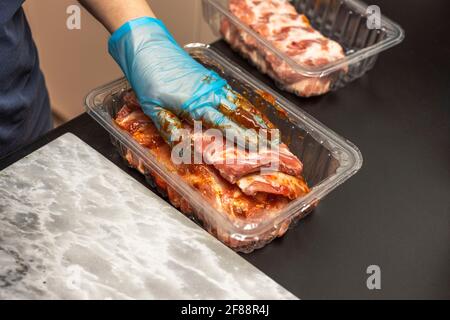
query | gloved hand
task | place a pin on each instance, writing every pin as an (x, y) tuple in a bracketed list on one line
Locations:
[(169, 83)]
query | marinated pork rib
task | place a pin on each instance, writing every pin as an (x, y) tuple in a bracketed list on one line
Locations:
[(234, 163), (253, 197), (222, 195), (278, 22), (281, 184), (239, 163)]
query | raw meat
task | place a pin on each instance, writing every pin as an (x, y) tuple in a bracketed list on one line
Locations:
[(231, 162), (262, 195), (223, 195), (234, 163), (278, 22), (132, 119), (280, 183)]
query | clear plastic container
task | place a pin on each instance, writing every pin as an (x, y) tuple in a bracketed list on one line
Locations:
[(328, 159), (344, 21)]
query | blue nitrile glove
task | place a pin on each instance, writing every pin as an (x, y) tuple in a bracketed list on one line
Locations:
[(168, 82)]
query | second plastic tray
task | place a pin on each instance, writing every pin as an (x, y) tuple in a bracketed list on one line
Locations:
[(345, 21)]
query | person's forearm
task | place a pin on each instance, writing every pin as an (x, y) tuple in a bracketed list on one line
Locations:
[(114, 13)]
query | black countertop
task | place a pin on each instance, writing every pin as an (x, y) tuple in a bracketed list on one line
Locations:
[(395, 213)]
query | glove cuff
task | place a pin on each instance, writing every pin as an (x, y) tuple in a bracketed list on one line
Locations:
[(136, 23)]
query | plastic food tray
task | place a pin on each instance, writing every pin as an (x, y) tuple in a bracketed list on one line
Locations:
[(328, 159), (344, 21)]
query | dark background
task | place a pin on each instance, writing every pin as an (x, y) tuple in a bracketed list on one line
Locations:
[(395, 212)]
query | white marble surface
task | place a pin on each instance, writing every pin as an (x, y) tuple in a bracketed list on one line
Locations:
[(75, 226)]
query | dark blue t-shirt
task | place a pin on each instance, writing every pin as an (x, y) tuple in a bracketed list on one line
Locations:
[(24, 104)]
